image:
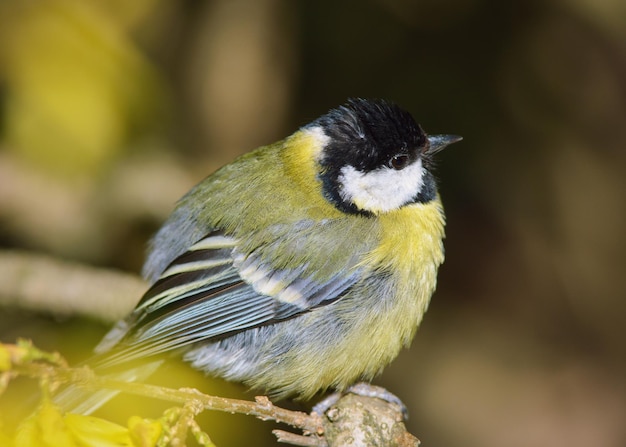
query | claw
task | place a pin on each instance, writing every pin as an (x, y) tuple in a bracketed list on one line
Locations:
[(361, 389)]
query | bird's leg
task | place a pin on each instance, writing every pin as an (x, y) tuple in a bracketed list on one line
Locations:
[(361, 389), (324, 405)]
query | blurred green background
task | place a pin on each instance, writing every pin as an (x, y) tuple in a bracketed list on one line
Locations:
[(111, 110)]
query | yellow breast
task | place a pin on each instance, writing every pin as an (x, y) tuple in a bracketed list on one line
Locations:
[(411, 250)]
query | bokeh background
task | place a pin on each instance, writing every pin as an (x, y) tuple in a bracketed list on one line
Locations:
[(111, 110)]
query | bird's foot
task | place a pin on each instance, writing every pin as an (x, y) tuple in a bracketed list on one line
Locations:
[(361, 389)]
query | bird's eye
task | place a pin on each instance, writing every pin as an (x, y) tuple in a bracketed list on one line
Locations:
[(399, 161)]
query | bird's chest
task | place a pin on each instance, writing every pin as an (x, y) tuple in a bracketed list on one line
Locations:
[(407, 259)]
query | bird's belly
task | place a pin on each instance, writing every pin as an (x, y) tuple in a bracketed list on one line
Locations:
[(330, 347)]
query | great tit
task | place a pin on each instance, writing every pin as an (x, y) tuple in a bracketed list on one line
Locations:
[(302, 266)]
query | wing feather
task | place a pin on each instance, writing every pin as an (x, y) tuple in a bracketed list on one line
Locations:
[(212, 291)]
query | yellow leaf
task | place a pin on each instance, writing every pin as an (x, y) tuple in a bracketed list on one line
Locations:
[(45, 428), (49, 428), (95, 432)]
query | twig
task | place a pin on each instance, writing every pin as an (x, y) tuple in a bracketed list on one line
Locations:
[(352, 420), (46, 284), (294, 439), (262, 408)]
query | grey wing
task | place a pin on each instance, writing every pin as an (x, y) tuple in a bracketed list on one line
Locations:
[(212, 291)]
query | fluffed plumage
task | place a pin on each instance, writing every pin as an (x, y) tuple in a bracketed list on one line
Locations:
[(301, 266)]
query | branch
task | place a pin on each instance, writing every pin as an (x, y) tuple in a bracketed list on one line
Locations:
[(262, 408), (45, 284), (353, 420)]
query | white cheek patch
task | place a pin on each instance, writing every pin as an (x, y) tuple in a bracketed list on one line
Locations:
[(382, 190)]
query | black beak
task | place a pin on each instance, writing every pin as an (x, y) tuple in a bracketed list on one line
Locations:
[(437, 142)]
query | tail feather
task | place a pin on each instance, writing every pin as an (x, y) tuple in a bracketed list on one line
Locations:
[(79, 400)]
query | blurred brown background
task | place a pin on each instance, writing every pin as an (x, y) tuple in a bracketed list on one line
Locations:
[(111, 110)]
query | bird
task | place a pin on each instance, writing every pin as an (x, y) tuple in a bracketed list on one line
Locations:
[(303, 266)]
